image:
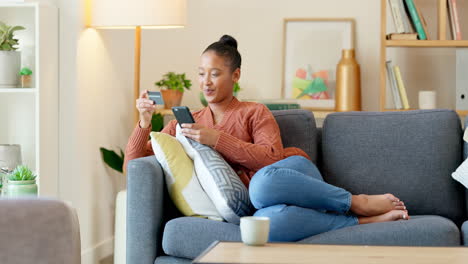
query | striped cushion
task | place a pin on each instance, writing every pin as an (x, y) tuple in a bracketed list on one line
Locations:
[(219, 180), (182, 183)]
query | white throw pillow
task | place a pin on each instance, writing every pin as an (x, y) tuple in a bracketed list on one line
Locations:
[(461, 173), (219, 180), (181, 180)]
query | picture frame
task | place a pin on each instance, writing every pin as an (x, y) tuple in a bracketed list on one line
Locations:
[(311, 50)]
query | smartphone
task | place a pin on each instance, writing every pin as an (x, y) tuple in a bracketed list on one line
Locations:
[(183, 115), (156, 97)]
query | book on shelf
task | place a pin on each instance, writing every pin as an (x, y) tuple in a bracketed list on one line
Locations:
[(417, 23), (401, 87), (423, 21), (400, 16), (393, 85), (397, 15), (406, 19), (402, 36), (454, 20), (280, 106), (276, 104)]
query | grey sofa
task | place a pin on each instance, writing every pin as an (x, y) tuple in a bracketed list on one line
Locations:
[(410, 154), (40, 231)]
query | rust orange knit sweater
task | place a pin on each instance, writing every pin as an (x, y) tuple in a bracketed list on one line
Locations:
[(249, 140)]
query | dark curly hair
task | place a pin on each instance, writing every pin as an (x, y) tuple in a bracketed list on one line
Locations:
[(226, 47)]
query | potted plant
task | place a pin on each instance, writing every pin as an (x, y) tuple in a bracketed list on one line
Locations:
[(10, 59), (172, 87), (26, 77), (21, 182), (115, 160), (235, 90)]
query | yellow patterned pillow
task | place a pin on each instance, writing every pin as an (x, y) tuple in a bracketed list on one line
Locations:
[(181, 179)]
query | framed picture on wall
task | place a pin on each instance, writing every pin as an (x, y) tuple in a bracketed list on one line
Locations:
[(311, 50)]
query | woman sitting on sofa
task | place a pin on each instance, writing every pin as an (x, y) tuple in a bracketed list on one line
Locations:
[(283, 183)]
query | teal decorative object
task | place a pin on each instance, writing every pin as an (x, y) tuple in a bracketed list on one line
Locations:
[(21, 188)]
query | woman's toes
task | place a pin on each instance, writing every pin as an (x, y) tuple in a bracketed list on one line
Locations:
[(404, 215), (392, 197), (400, 207)]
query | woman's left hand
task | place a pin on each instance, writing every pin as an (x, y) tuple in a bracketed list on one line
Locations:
[(204, 135)]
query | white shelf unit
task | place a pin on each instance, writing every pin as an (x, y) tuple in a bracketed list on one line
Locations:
[(29, 116)]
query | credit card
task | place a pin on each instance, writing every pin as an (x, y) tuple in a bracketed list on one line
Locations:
[(156, 97)]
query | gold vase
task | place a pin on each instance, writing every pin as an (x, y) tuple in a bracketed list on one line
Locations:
[(348, 83)]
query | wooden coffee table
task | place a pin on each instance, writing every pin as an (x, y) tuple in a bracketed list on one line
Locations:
[(293, 253)]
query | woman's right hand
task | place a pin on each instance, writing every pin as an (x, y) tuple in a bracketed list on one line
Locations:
[(146, 109)]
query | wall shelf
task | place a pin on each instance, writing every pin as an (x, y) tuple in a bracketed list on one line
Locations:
[(18, 90), (29, 116), (427, 43), (440, 41)]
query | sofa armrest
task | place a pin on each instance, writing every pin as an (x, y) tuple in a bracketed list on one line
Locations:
[(464, 233), (38, 230), (145, 194)]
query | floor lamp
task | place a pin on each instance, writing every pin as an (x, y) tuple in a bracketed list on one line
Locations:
[(137, 14)]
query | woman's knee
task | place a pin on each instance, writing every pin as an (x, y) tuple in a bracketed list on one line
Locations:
[(258, 186), (279, 222)]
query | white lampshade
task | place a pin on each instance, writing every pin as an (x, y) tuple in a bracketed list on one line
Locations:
[(144, 13)]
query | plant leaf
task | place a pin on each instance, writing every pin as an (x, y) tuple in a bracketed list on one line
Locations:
[(6, 46), (3, 27), (11, 30), (157, 122), (25, 71), (112, 159)]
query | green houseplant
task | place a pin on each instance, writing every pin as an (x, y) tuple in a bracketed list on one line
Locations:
[(21, 182), (7, 40), (172, 87), (116, 160), (10, 58)]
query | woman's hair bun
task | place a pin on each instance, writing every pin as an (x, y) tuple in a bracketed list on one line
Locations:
[(228, 40)]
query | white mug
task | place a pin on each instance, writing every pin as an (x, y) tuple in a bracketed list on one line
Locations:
[(427, 99), (254, 230)]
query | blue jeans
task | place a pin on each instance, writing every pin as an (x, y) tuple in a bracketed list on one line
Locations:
[(292, 193)]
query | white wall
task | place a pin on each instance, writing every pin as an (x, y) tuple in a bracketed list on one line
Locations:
[(258, 27), (93, 113), (96, 98)]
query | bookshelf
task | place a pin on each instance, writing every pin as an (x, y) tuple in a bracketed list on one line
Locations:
[(29, 116), (438, 40)]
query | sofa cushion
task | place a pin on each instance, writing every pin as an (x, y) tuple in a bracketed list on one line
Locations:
[(181, 180), (187, 237), (172, 260), (410, 154), (464, 230), (219, 181), (298, 129), (418, 231)]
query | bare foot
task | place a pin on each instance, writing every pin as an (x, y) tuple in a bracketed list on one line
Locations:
[(374, 205), (393, 215)]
